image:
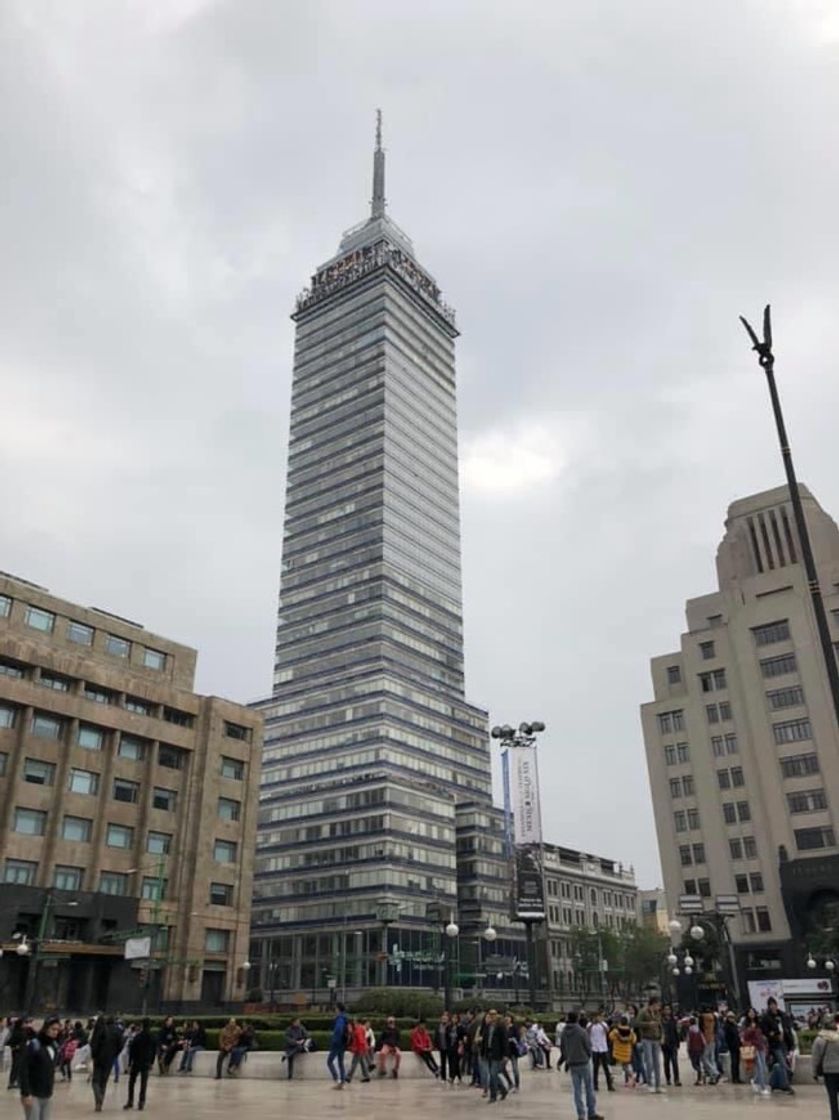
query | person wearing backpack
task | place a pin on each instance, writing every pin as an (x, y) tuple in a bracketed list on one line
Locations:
[(36, 1070), (826, 1063)]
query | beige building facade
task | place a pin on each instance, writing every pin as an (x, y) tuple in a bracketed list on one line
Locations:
[(741, 739), (127, 805)]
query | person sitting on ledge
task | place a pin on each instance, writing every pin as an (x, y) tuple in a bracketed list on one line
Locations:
[(389, 1043), (422, 1047)]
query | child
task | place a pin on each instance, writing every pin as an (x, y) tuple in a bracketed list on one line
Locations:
[(622, 1038), (696, 1047), (65, 1058)]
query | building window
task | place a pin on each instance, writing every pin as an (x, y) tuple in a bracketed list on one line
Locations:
[(221, 894), (772, 632), (5, 606), (232, 768), (131, 748), (237, 731), (84, 781), (99, 695), (119, 836), (707, 650), (126, 791), (744, 813), (38, 773), (4, 758), (687, 785), (764, 923), (77, 829), (680, 821), (799, 765), (748, 919), (809, 839), (54, 681), (671, 721), (713, 681), (682, 752), (39, 619), (21, 872), (182, 719), (80, 634), (704, 886), (159, 843), (729, 812), (741, 882), (138, 706), (90, 737), (164, 799), (228, 809), (670, 755), (698, 853), (113, 882), (756, 882), (7, 716), (718, 746), (67, 878), (116, 646), (11, 669), (154, 890), (674, 674), (778, 666), (46, 727), (693, 819), (731, 746), (675, 787), (718, 712), (737, 777), (735, 848), (154, 659), (685, 855), (750, 847), (216, 940), (171, 757), (224, 851), (793, 731), (31, 822), (785, 697), (807, 801), (689, 886), (723, 779)]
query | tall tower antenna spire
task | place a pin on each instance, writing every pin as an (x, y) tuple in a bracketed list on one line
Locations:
[(377, 209)]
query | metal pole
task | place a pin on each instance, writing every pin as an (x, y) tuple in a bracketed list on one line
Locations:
[(531, 964), (767, 361), (447, 979), (344, 961), (32, 969)]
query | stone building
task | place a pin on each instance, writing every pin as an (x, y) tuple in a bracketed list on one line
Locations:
[(127, 805)]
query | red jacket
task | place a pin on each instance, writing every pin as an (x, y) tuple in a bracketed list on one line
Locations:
[(420, 1040), (358, 1041)]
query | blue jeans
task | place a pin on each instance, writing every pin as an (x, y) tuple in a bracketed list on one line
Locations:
[(709, 1060), (779, 1053), (494, 1068), (189, 1058), (336, 1057), (760, 1070), (652, 1061), (582, 1083)]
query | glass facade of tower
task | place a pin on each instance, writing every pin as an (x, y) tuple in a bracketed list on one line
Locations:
[(370, 745)]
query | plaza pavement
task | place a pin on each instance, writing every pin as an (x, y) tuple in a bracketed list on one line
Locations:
[(543, 1095)]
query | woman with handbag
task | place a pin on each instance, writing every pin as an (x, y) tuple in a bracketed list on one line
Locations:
[(753, 1051), (826, 1064)]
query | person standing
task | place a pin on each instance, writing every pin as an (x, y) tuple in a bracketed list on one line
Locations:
[(599, 1035), (649, 1029), (20, 1033), (622, 1038), (226, 1041), (105, 1045), (36, 1070), (441, 1041), (670, 1043), (337, 1047), (296, 1038), (826, 1062), (494, 1052), (753, 1051), (732, 1041), (141, 1054), (575, 1054), (708, 1026), (775, 1028), (358, 1049)]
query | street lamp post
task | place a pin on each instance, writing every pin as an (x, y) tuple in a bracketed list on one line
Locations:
[(32, 949), (450, 933)]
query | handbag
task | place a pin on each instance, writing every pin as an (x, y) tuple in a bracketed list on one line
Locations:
[(748, 1053)]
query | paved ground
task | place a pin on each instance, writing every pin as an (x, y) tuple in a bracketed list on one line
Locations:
[(543, 1095)]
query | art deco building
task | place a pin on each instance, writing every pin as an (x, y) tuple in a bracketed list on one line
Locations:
[(370, 745), (742, 744), (127, 804)]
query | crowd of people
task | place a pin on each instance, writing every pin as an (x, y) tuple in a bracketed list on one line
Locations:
[(639, 1049)]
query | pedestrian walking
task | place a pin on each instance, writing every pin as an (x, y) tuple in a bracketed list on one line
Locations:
[(141, 1055), (36, 1070), (623, 1040), (358, 1049), (598, 1033), (826, 1063), (575, 1055), (732, 1041), (649, 1030), (671, 1040), (105, 1045), (494, 1052), (753, 1051), (338, 1046)]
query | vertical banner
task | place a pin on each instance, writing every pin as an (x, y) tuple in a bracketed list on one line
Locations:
[(508, 805), (528, 815), (530, 879)]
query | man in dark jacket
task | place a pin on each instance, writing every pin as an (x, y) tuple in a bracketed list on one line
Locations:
[(575, 1054), (493, 1049), (774, 1025), (36, 1070), (670, 1042), (21, 1033), (105, 1045), (141, 1053)]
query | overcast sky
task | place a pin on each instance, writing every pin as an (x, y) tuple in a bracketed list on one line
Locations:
[(599, 187)]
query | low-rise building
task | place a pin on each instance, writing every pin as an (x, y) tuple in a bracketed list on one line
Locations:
[(127, 805)]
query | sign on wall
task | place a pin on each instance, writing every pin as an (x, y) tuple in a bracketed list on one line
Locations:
[(525, 796)]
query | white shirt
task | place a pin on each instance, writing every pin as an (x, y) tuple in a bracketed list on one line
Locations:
[(599, 1038)]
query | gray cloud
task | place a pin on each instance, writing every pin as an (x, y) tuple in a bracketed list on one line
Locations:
[(600, 188)]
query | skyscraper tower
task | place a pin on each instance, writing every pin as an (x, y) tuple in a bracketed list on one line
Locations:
[(370, 744)]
